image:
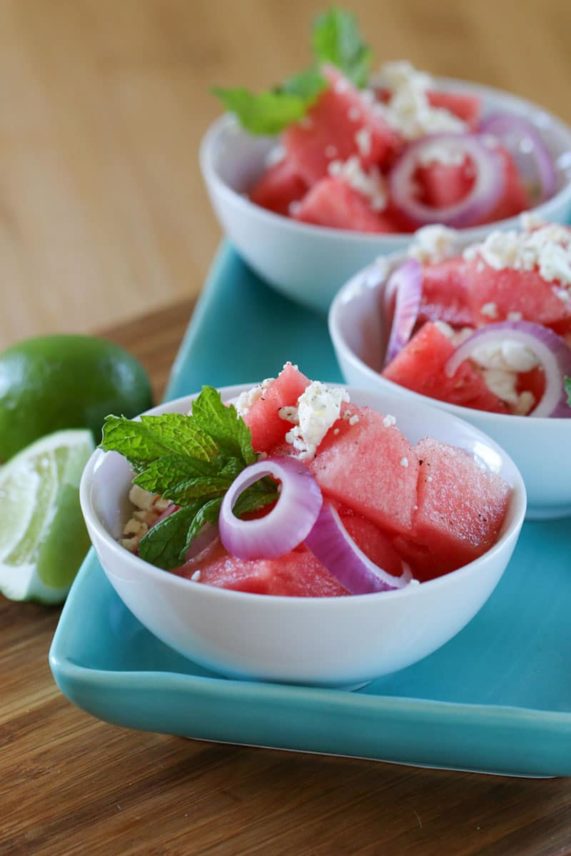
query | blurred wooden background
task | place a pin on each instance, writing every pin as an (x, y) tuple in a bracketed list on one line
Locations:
[(102, 211)]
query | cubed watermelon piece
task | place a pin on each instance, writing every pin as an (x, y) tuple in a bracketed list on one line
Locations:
[(332, 128), (370, 467), (442, 185), (444, 294), (465, 107), (263, 419), (461, 506), (372, 541), (508, 290), (278, 187), (420, 367), (332, 202)]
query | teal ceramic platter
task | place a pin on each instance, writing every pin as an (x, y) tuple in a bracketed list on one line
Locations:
[(496, 699)]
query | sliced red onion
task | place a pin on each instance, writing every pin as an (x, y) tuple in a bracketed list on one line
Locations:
[(552, 351), (330, 543), (524, 142), (404, 290), (488, 184), (286, 525)]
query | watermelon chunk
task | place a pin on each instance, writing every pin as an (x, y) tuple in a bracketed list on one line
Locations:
[(461, 506), (465, 107), (372, 541), (330, 131), (278, 187), (369, 467), (420, 367), (442, 185), (444, 294), (263, 419), (332, 202), (509, 290)]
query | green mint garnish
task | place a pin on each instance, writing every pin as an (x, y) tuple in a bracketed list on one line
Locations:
[(335, 40), (567, 384), (191, 461)]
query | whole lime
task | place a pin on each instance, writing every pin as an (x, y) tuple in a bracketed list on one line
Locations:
[(64, 381)]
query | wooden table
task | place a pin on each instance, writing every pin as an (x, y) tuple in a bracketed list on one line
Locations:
[(70, 784)]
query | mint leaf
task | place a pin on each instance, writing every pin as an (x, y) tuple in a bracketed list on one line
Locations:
[(567, 384), (176, 478), (207, 513), (260, 494), (155, 436), (307, 85), (266, 113), (336, 40), (163, 545), (223, 424)]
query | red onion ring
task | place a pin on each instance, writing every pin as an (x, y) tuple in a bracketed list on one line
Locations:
[(405, 284), (286, 525), (330, 543), (524, 141), (551, 350), (477, 204)]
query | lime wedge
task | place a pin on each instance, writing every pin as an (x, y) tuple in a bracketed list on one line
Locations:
[(42, 534)]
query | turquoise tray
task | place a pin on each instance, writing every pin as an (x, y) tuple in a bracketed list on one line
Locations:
[(497, 698)]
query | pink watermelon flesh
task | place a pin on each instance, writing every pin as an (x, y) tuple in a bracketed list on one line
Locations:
[(263, 419), (442, 185), (370, 468), (420, 367), (297, 574), (444, 294), (465, 107), (331, 202), (329, 130), (278, 187), (510, 290), (515, 198), (461, 506)]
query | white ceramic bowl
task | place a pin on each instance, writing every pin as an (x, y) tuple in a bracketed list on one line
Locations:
[(540, 447), (324, 641), (310, 263)]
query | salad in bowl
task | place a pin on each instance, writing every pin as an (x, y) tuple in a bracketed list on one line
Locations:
[(256, 529), (341, 163)]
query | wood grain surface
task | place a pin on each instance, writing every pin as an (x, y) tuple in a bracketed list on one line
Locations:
[(70, 784), (103, 215)]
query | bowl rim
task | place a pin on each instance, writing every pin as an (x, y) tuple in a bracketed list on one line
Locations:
[(517, 510), (350, 292), (228, 121)]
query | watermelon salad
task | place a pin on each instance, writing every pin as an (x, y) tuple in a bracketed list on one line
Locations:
[(489, 328), (305, 494), (387, 152)]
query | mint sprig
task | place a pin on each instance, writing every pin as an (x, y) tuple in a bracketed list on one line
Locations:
[(335, 40), (191, 461), (567, 384)]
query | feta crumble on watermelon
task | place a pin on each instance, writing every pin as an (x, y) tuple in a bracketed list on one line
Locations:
[(339, 121), (516, 284), (408, 512)]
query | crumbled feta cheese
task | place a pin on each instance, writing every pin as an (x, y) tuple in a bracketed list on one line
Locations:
[(433, 244), (404, 462), (510, 355), (318, 408), (289, 414), (354, 419), (246, 399), (545, 248), (389, 420), (408, 110), (330, 151), (503, 384), (445, 329), (196, 576), (371, 184), (363, 140), (490, 310), (514, 316), (141, 498)]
